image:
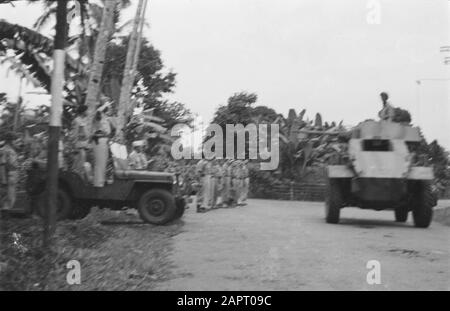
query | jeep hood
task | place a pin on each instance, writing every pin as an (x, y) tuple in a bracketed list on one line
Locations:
[(143, 175)]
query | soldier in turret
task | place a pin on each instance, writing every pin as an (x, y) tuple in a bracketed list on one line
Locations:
[(387, 113)]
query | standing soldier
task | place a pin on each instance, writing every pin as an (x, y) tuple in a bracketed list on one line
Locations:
[(8, 172), (240, 182), (226, 184), (246, 182), (80, 141), (235, 183), (102, 131), (210, 185), (218, 183), (200, 170)]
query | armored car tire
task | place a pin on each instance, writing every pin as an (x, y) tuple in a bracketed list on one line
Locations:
[(401, 214), (63, 204), (157, 206), (423, 205), (333, 201)]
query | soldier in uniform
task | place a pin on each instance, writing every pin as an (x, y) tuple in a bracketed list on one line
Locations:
[(387, 113), (226, 184), (209, 185), (137, 159), (235, 183), (80, 141), (218, 183), (200, 170), (246, 182), (101, 132), (239, 182), (8, 172)]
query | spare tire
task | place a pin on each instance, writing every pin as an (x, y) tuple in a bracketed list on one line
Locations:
[(157, 206)]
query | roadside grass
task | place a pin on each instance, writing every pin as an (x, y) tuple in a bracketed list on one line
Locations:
[(125, 255)]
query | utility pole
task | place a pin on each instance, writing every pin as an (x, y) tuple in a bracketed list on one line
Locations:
[(55, 121)]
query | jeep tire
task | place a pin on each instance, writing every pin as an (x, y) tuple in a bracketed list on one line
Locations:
[(156, 206), (63, 205), (79, 210)]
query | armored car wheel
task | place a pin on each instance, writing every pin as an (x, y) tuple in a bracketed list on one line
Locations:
[(63, 205), (423, 205), (333, 201), (401, 214), (157, 206)]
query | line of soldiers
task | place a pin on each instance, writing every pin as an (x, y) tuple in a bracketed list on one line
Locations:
[(223, 183)]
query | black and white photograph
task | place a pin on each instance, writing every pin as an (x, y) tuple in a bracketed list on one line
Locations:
[(222, 151)]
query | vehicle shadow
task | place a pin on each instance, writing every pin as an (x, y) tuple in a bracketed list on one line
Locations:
[(118, 222), (373, 223)]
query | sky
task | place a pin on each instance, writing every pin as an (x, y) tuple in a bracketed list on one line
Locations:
[(332, 57)]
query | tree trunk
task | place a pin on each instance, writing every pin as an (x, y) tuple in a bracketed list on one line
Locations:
[(18, 107), (130, 109), (93, 91), (128, 75), (55, 121)]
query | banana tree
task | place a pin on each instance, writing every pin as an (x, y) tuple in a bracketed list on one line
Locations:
[(130, 67), (93, 89), (304, 142)]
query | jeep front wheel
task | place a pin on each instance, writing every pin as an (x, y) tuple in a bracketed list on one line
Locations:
[(333, 201), (80, 210), (157, 206), (63, 205)]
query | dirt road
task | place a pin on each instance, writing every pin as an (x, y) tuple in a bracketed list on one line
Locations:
[(279, 245)]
